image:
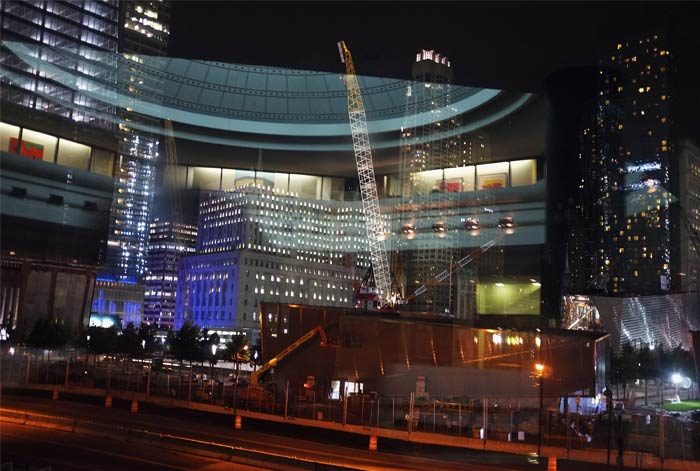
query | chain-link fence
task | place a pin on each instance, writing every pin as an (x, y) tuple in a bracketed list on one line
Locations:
[(653, 433)]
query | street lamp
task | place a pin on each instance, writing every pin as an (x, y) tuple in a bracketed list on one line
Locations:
[(539, 368), (676, 379)]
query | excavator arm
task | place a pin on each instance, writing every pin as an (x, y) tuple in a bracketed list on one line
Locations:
[(272, 362)]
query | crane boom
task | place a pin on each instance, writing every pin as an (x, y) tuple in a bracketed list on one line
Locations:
[(365, 173), (171, 167), (461, 263)]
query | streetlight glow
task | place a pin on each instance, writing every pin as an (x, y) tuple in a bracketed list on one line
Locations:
[(539, 367)]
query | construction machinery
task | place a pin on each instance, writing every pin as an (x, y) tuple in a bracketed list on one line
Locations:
[(171, 168), (274, 361), (459, 264), (374, 291), (368, 184)]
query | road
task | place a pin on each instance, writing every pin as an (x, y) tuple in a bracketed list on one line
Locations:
[(77, 450), (38, 447)]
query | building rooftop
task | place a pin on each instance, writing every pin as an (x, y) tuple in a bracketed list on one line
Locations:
[(265, 107)]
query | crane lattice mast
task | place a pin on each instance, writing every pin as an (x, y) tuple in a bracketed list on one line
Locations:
[(365, 173), (171, 169)]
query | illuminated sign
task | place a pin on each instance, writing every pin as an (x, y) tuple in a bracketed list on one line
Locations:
[(98, 320)]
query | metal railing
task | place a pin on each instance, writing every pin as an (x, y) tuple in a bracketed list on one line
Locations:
[(509, 420)]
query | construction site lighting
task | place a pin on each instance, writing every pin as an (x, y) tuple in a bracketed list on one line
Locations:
[(506, 223), (439, 227), (471, 224)]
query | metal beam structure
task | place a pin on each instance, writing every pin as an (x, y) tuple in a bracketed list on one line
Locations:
[(368, 183), (171, 171)]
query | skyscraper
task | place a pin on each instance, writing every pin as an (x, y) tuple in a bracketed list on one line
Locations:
[(428, 147), (612, 207), (167, 243), (689, 185), (52, 248), (646, 234), (88, 31), (143, 31), (96, 42)]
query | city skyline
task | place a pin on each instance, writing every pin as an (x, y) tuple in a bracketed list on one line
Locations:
[(479, 224)]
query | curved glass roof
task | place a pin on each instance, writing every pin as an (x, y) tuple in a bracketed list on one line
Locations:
[(255, 100)]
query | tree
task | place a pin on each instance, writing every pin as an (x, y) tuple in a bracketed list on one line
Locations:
[(210, 345), (128, 343), (184, 344), (147, 339), (47, 334), (100, 341), (648, 368), (624, 367)]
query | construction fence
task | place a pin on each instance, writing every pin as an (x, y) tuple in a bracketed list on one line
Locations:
[(503, 419)]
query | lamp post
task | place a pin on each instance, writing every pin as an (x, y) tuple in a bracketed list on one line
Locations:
[(539, 367)]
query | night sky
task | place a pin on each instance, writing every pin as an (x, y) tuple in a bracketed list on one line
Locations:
[(493, 44)]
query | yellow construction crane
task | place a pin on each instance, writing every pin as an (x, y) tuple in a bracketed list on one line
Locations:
[(171, 174), (379, 270), (368, 183)]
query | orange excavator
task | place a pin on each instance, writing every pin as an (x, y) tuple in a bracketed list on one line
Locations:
[(255, 376)]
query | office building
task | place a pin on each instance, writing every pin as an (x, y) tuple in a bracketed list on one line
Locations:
[(428, 147), (167, 243), (689, 196), (94, 43), (619, 227), (143, 31), (58, 156), (647, 232), (271, 236)]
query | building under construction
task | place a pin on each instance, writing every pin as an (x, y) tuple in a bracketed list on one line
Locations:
[(436, 357)]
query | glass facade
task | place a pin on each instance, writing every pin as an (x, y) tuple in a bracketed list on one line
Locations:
[(144, 30), (52, 149), (423, 155), (84, 39), (74, 32)]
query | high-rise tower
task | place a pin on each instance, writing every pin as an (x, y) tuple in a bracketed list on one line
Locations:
[(144, 31), (428, 149), (167, 243), (97, 42), (645, 236)]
